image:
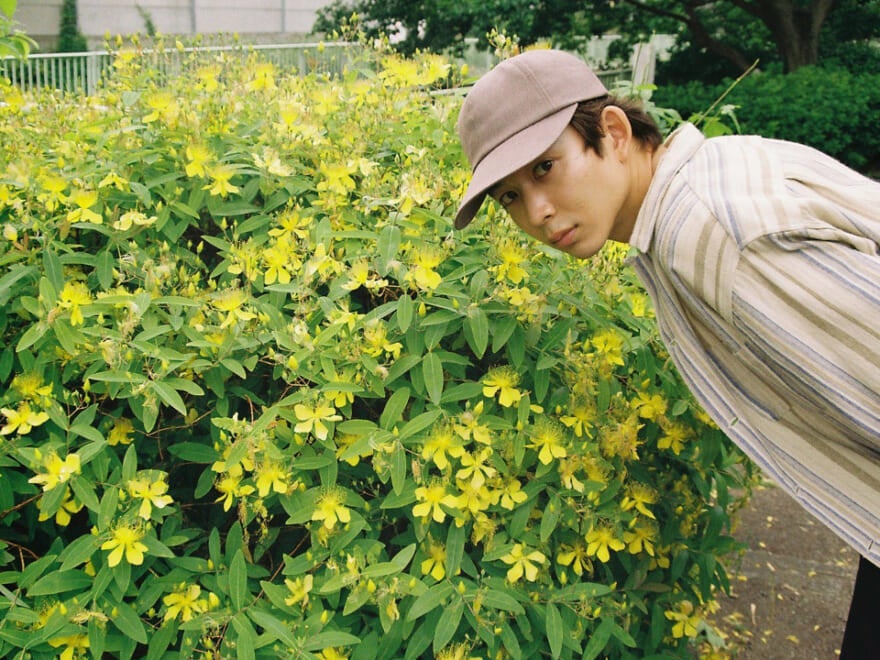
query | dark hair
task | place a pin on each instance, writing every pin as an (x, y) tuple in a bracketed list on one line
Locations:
[(586, 121)]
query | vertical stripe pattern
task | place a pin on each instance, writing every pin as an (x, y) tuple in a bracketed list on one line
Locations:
[(762, 259)]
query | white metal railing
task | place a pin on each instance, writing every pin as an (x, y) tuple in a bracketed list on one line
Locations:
[(83, 72)]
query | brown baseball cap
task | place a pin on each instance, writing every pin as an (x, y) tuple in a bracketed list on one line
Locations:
[(515, 112)]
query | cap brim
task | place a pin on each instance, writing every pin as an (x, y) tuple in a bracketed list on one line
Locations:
[(515, 152)]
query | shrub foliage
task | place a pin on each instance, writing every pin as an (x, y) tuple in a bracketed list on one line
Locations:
[(260, 401)]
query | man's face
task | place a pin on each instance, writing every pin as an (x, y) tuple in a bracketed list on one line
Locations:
[(569, 197)]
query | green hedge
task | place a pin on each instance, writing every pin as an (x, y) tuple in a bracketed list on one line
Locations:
[(830, 109), (261, 401)]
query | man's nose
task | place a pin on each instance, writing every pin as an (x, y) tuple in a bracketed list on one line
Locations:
[(539, 209)]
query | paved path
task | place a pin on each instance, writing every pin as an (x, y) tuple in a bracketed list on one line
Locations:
[(792, 588)]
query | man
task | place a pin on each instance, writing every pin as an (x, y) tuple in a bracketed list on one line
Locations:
[(762, 259)]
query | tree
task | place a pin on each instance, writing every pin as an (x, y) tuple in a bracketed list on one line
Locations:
[(70, 39), (738, 31)]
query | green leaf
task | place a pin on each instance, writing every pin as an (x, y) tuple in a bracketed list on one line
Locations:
[(8, 7), (169, 396), (78, 552), (31, 336), (476, 330), (246, 637), (555, 630), (329, 639), (398, 469), (432, 371), (599, 639), (194, 451), (53, 268), (67, 336), (501, 600), (432, 598), (387, 246), (238, 589), (394, 408), (274, 628), (448, 624), (550, 518), (455, 548), (104, 268), (59, 582), (405, 308), (9, 282), (129, 623), (502, 331)]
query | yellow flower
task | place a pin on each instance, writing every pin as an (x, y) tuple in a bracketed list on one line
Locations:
[(685, 620), (299, 590), (503, 381), (331, 510), (512, 256), (649, 406), (639, 496), (129, 218), (220, 176), (440, 442), (312, 418), (230, 488), (422, 273), (84, 200), (581, 417), (68, 507), (674, 437), (231, 301), (74, 645), (271, 162), (22, 419), (609, 343), (523, 563), (475, 499), (271, 476), (163, 106), (376, 338), (332, 653), (57, 471), (122, 433), (475, 467), (640, 537), (575, 556), (547, 438), (264, 77), (198, 157), (73, 296), (435, 564), (186, 602), (469, 427), (152, 494), (512, 494), (31, 387), (431, 500), (600, 539), (125, 541)]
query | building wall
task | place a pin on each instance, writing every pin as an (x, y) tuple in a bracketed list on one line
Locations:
[(265, 20)]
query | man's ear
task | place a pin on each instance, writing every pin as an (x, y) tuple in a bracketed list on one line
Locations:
[(616, 127)]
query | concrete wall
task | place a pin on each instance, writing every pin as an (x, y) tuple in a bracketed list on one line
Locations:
[(273, 20)]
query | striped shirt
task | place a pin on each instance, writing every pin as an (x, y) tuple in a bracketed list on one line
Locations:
[(762, 258)]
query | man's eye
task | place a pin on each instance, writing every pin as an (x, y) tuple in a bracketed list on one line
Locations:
[(506, 198), (543, 167)]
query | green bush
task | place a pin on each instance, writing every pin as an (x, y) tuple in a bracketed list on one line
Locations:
[(830, 109), (261, 401)]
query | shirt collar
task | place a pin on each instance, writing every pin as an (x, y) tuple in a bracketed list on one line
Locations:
[(680, 147)]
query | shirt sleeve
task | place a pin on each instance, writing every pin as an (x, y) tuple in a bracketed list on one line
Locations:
[(808, 306)]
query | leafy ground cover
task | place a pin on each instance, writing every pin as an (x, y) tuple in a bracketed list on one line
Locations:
[(259, 400)]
